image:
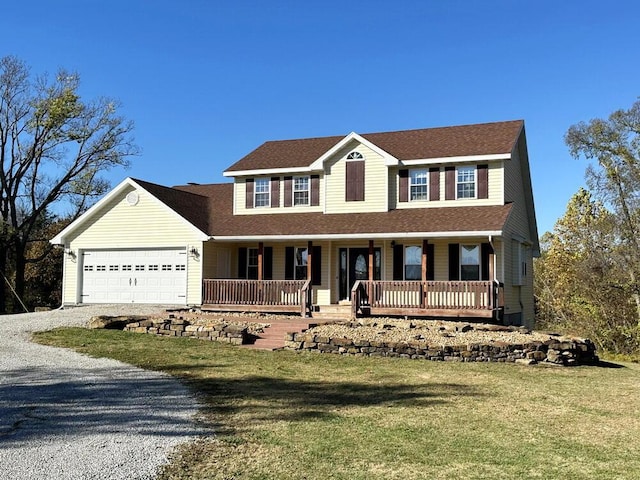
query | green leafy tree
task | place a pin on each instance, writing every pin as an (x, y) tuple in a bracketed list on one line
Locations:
[(53, 148), (614, 144)]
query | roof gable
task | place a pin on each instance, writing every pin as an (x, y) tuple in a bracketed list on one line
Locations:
[(188, 207)]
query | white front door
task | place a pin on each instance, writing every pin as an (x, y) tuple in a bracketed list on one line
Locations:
[(134, 276)]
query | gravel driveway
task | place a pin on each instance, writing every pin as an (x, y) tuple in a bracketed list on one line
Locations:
[(67, 416)]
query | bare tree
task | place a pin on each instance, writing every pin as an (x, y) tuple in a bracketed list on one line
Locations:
[(53, 148)]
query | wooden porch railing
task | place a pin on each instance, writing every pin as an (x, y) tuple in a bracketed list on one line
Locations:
[(455, 297), (279, 294)]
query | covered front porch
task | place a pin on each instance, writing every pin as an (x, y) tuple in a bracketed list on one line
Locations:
[(378, 278)]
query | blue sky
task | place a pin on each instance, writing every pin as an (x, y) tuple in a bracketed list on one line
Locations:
[(206, 82)]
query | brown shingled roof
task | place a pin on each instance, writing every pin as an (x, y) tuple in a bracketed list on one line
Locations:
[(223, 223), (442, 142)]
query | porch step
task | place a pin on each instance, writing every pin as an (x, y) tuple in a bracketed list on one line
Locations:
[(273, 336), (332, 312)]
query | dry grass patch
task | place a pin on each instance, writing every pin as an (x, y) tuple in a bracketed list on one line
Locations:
[(282, 415)]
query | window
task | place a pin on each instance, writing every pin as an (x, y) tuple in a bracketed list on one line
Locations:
[(300, 266), (469, 262), (181, 268), (101, 268), (413, 263), (261, 192), (466, 182), (153, 268), (519, 255), (419, 180), (166, 268), (301, 191), (252, 263), (355, 156), (88, 268), (126, 268), (139, 268)]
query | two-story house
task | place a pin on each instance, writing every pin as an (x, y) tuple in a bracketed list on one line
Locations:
[(434, 222)]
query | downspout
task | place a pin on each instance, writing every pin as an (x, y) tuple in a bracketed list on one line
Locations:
[(495, 281)]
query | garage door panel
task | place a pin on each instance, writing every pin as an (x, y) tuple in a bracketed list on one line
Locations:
[(138, 276)]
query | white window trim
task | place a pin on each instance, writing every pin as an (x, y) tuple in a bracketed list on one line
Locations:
[(475, 182), (462, 245), (296, 265), (355, 156), (404, 266), (308, 190), (426, 184), (256, 192)]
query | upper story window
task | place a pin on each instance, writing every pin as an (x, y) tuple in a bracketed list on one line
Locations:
[(355, 156), (419, 180), (466, 182), (301, 191), (261, 192)]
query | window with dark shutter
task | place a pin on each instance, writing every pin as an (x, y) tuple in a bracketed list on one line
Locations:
[(316, 265), (434, 184), (355, 181), (275, 192), (398, 262), (267, 263), (288, 195), (249, 193), (315, 190), (403, 187), (454, 261), (449, 183), (242, 262), (483, 181)]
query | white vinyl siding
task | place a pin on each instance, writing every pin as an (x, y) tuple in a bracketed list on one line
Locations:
[(376, 184)]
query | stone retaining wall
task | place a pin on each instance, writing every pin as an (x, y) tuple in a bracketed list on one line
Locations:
[(172, 327), (559, 351)]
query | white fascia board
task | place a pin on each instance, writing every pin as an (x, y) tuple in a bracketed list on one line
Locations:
[(268, 171), (319, 163), (461, 159), (59, 239), (358, 236)]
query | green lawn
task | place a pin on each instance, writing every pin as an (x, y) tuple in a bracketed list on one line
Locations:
[(282, 415)]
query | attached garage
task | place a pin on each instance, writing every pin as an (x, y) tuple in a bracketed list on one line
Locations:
[(141, 243), (134, 276)]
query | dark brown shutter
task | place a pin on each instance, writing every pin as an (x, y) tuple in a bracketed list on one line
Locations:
[(483, 181), (485, 251), (315, 190), (268, 263), (449, 183), (242, 262), (316, 265), (434, 184), (355, 181), (275, 192), (249, 193), (431, 271), (454, 261), (403, 188), (287, 191), (398, 262), (289, 253)]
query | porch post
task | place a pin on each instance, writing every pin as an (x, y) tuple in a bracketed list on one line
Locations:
[(493, 292), (260, 260), (309, 258), (424, 260), (425, 242), (371, 270)]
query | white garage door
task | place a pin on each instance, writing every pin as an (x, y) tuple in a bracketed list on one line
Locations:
[(134, 276)]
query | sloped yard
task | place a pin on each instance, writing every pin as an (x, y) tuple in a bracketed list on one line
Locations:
[(288, 415)]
